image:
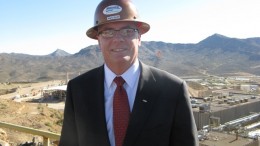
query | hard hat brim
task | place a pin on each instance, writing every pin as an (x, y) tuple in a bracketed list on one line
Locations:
[(142, 27)]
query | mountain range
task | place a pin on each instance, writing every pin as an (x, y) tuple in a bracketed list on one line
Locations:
[(215, 55)]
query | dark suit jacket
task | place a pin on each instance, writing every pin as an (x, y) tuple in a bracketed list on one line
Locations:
[(161, 116)]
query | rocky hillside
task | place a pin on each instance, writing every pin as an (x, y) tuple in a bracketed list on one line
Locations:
[(216, 55), (32, 115)]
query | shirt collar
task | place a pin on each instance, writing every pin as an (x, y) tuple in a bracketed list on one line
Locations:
[(130, 76)]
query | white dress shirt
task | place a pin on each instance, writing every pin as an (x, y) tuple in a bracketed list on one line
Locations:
[(131, 77)]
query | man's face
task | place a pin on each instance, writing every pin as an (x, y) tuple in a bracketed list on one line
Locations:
[(119, 48)]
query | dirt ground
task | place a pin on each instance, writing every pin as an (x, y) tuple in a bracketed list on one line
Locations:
[(33, 115), (29, 114)]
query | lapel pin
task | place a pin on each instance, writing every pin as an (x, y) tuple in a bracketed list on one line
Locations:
[(144, 100)]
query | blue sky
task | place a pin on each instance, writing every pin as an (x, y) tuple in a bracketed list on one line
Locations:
[(39, 27)]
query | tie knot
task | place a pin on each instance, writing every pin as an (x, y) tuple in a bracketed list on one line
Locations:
[(119, 81)]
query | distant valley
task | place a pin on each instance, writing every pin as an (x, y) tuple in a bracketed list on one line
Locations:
[(215, 55)]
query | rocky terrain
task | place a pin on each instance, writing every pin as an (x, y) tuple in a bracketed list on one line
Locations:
[(216, 55), (28, 112), (33, 115)]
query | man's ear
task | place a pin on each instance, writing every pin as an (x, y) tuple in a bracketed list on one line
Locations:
[(139, 39), (99, 43)]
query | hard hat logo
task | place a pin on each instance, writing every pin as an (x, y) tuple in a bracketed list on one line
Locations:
[(113, 9), (113, 17)]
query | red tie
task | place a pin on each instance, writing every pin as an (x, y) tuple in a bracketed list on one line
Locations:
[(121, 111)]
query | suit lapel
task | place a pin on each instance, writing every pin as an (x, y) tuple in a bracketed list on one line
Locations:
[(144, 101), (98, 108)]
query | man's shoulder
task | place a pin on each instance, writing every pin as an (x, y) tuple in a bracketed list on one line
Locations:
[(162, 74)]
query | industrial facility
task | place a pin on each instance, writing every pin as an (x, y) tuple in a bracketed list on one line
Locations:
[(228, 113)]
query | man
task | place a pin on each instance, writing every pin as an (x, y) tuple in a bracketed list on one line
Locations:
[(150, 107)]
